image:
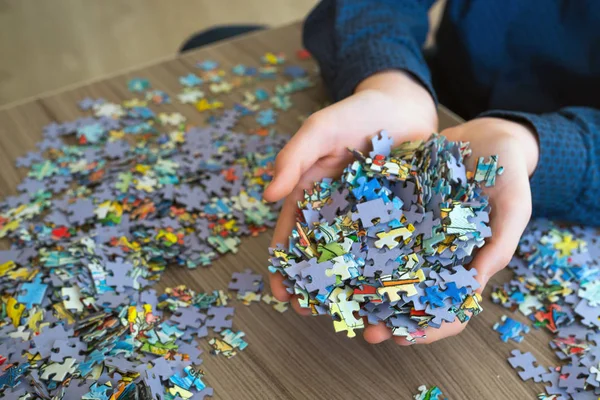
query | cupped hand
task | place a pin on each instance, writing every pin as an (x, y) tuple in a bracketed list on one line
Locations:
[(517, 149), (390, 100)]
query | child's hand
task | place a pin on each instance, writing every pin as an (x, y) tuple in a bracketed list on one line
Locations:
[(517, 149), (388, 100)]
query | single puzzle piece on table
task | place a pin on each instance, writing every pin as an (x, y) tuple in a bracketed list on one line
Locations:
[(246, 281), (249, 297), (511, 329), (230, 342), (526, 361), (432, 393), (138, 85), (279, 306), (294, 71), (191, 80), (266, 117), (218, 318)]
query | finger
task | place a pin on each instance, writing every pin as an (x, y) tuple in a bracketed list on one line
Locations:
[(287, 218), (309, 144), (433, 335), (507, 223), (286, 222), (377, 333), (278, 288), (305, 312)]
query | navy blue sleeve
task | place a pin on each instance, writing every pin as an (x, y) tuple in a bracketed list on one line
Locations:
[(354, 39), (566, 183)]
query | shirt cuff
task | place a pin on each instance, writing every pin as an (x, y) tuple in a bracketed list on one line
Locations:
[(559, 178)]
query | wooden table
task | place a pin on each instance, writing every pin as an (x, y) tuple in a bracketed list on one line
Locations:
[(289, 356)]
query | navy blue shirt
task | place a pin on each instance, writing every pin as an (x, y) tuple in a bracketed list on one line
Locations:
[(532, 61)]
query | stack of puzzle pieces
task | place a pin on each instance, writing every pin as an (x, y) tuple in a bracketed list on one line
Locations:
[(556, 285), (391, 238), (110, 201)]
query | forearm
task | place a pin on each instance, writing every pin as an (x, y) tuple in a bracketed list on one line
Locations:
[(566, 182), (353, 40)]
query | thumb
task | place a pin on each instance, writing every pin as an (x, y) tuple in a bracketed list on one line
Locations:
[(308, 145), (507, 224)]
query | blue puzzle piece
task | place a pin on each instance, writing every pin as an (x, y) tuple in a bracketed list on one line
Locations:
[(142, 112), (33, 292), (92, 133), (138, 84), (95, 357), (261, 94), (266, 117), (207, 65), (433, 296), (192, 378), (294, 71), (511, 329), (234, 339), (366, 189), (190, 80), (13, 375), (454, 293), (97, 392)]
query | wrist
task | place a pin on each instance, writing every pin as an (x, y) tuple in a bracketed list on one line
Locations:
[(394, 83), (413, 101), (526, 137)]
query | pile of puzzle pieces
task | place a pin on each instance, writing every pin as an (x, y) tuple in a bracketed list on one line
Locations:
[(390, 239), (109, 202), (556, 285)]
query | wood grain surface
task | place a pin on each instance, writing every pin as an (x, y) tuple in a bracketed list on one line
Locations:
[(291, 357)]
